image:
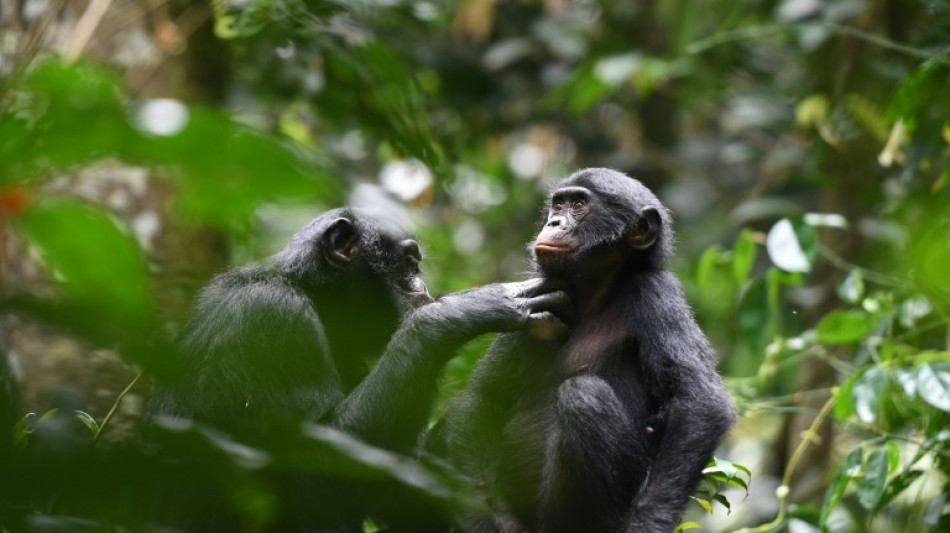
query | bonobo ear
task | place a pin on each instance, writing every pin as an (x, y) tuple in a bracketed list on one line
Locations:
[(339, 242), (646, 230)]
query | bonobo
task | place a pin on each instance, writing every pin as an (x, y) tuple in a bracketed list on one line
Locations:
[(337, 329), (609, 429)]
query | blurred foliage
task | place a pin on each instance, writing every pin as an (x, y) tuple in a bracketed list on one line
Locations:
[(802, 145)]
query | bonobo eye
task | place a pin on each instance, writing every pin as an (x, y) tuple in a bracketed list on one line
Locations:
[(578, 207), (557, 206)]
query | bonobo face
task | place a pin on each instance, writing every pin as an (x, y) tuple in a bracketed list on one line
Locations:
[(415, 290), (392, 252), (597, 221), (569, 206)]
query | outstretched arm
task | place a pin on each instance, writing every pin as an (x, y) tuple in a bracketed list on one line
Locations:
[(391, 406)]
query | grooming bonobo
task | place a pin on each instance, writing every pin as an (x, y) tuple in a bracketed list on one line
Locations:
[(610, 429), (336, 329)]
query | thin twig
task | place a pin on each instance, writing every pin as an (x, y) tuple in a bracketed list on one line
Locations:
[(759, 32), (87, 24), (115, 407), (870, 275)]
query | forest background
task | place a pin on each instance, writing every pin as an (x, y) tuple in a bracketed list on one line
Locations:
[(802, 146)]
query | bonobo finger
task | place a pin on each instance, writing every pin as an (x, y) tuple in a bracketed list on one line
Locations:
[(557, 303), (544, 286), (545, 326), (523, 289)]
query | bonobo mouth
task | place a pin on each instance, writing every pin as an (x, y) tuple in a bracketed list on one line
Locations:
[(551, 247)]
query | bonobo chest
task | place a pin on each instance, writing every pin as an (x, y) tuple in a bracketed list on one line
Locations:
[(595, 346)]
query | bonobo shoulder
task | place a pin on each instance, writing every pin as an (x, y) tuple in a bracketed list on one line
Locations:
[(247, 298)]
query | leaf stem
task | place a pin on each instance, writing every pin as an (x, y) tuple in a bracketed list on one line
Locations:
[(115, 407)]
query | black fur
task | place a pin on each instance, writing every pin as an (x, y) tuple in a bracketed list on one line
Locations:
[(335, 329), (608, 430)]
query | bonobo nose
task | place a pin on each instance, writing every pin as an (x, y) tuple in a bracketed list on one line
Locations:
[(555, 221)]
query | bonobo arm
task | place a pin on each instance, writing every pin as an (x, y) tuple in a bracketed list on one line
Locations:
[(678, 358), (391, 406)]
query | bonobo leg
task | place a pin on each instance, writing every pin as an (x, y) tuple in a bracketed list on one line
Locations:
[(596, 460)]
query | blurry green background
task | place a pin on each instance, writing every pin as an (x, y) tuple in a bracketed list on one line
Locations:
[(802, 145)]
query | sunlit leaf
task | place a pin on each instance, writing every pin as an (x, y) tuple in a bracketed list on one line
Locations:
[(913, 309), (812, 110), (792, 245), (705, 504), (933, 384), (852, 288), (867, 394), (687, 525), (907, 379)]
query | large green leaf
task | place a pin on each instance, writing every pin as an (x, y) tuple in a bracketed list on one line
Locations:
[(98, 265), (72, 115)]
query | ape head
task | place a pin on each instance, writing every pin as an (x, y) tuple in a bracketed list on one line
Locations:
[(349, 249), (361, 273), (601, 217)]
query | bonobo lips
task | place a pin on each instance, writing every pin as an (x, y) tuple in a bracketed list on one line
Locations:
[(551, 247)]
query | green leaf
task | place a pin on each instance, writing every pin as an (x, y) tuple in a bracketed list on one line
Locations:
[(723, 501), (852, 288), (843, 327), (704, 504), (933, 384), (871, 485), (850, 467), (98, 265), (893, 456), (687, 525), (913, 309), (895, 486), (744, 252), (87, 421), (907, 378), (867, 394), (844, 405)]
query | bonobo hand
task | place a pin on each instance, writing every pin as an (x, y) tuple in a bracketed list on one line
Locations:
[(549, 309), (537, 304)]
